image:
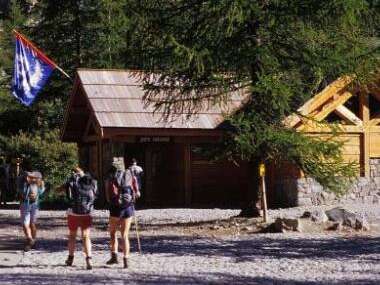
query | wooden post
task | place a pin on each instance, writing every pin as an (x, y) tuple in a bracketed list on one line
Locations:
[(100, 171), (365, 139), (263, 192)]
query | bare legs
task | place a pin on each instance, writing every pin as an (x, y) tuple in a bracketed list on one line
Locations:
[(33, 230), (86, 246), (27, 231), (30, 231), (86, 242), (71, 242), (123, 225), (113, 227)]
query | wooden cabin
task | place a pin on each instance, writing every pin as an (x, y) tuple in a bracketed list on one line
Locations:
[(356, 113), (107, 118)]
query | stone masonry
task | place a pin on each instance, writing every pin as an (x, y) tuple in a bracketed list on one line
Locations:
[(308, 192)]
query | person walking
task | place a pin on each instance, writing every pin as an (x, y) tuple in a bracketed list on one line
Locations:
[(81, 191), (121, 189), (31, 187), (138, 172)]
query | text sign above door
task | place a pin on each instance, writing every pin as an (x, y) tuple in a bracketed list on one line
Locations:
[(153, 139)]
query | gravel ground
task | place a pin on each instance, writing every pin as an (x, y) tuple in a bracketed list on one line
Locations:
[(171, 256)]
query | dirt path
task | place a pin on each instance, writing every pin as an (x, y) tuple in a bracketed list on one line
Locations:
[(183, 247)]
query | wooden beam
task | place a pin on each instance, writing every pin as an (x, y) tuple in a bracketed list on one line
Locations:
[(346, 114), (373, 129), (325, 94), (292, 120), (313, 127), (100, 170), (374, 121), (113, 132), (365, 140), (318, 100), (331, 106)]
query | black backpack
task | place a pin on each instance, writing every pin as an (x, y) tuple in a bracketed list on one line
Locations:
[(82, 194)]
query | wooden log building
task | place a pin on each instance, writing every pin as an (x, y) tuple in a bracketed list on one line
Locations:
[(356, 113), (107, 118)]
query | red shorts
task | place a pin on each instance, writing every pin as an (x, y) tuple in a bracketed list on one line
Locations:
[(74, 222)]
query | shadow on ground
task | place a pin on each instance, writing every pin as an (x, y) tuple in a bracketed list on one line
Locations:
[(214, 278), (242, 250), (248, 249)]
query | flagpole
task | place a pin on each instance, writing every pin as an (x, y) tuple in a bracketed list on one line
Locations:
[(39, 51), (63, 72)]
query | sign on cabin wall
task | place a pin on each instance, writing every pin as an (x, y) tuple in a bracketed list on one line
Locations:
[(153, 139)]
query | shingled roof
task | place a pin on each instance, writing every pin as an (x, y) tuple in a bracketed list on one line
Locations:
[(114, 99)]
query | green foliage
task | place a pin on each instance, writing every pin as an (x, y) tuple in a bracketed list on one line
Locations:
[(14, 18), (74, 34), (320, 157), (44, 152), (281, 52)]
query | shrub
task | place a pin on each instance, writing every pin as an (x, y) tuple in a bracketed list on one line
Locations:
[(44, 152)]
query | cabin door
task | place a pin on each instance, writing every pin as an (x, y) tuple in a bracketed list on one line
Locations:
[(164, 174)]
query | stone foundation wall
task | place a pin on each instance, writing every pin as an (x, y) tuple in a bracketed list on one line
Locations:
[(307, 192)]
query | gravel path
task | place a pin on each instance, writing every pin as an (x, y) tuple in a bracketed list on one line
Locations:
[(173, 258)]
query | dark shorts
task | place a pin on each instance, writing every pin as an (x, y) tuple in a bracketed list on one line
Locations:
[(122, 213)]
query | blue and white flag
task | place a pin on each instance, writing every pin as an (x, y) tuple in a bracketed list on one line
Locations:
[(32, 69)]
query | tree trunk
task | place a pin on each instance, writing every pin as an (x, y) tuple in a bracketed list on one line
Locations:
[(251, 207)]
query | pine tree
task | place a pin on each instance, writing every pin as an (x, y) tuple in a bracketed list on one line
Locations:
[(31, 133), (284, 52), (113, 32)]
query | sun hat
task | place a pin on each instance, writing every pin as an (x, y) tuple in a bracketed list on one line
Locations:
[(34, 174)]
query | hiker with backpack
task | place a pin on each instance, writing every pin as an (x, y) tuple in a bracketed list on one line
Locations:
[(121, 193), (138, 172), (30, 188), (81, 190)]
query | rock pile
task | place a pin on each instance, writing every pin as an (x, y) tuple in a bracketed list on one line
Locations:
[(344, 217), (334, 219)]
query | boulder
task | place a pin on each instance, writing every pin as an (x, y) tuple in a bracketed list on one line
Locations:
[(319, 216), (342, 216), (362, 223), (283, 225), (347, 218)]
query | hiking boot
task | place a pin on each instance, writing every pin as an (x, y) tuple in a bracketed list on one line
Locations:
[(113, 259), (125, 261), (28, 245), (33, 243), (88, 263), (69, 261)]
